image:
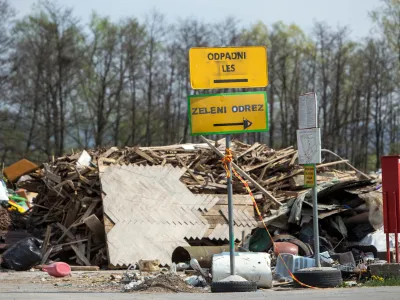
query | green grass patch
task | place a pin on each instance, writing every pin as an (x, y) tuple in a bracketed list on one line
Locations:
[(380, 281)]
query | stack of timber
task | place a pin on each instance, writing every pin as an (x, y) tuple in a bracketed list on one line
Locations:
[(68, 211)]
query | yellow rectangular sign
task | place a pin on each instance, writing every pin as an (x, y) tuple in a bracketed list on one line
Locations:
[(309, 176), (228, 113), (228, 67)]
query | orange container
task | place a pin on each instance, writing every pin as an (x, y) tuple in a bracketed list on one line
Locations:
[(286, 247)]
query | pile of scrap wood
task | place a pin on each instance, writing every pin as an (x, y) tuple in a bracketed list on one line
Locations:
[(68, 212), (5, 220)]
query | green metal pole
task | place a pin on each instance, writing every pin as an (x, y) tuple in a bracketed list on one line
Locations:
[(315, 219), (230, 213)]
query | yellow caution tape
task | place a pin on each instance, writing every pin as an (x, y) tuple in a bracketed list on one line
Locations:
[(228, 159)]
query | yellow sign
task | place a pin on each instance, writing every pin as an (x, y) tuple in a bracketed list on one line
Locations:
[(309, 176), (228, 67), (228, 113)]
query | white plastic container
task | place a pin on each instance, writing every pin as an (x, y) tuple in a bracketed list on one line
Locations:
[(253, 266), (294, 263)]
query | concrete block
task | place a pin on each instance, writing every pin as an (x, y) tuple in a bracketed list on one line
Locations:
[(386, 270)]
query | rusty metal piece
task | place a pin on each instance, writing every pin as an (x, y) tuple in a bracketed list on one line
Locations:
[(291, 239), (203, 254), (286, 247)]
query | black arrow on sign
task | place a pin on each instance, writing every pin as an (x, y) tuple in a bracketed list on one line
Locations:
[(246, 124)]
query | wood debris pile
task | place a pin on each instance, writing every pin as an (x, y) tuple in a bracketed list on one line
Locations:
[(68, 212), (5, 220)]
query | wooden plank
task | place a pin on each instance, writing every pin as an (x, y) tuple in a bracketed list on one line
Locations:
[(214, 220), (212, 184), (46, 255), (260, 178), (109, 152), (85, 180), (282, 177), (296, 181), (215, 210), (277, 159), (294, 158), (74, 268), (60, 185), (72, 213), (73, 242), (188, 170), (244, 174), (50, 175), (254, 147), (89, 210), (46, 240), (81, 247), (89, 246), (66, 232), (95, 226), (144, 155), (108, 160), (83, 171), (237, 200), (237, 218), (251, 217), (108, 224), (163, 162), (345, 161), (81, 255), (224, 211)]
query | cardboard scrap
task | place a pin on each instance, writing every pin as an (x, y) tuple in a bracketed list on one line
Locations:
[(19, 169)]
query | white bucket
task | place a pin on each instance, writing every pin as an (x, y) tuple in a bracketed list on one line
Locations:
[(253, 266)]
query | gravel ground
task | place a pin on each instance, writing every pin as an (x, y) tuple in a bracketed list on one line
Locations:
[(102, 281)]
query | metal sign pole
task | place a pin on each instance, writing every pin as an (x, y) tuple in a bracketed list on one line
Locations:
[(230, 212), (315, 219)]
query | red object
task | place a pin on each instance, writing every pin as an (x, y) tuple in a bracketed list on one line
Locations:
[(58, 269), (286, 247), (391, 202)]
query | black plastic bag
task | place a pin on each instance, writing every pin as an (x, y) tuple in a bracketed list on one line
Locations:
[(23, 255)]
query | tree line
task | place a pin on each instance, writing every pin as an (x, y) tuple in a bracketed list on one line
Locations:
[(68, 85)]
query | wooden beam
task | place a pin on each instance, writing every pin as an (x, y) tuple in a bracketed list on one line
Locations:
[(46, 239), (80, 255), (243, 173)]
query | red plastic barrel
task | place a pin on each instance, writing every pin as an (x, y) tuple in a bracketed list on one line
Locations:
[(58, 269)]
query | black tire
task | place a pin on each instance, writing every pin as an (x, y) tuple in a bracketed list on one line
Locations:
[(233, 286), (318, 278)]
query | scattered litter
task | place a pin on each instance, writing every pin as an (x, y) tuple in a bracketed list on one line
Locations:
[(149, 265), (182, 266), (58, 269), (162, 283), (196, 281), (84, 160), (350, 283), (133, 285)]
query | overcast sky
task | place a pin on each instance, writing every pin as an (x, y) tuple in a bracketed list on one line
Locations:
[(353, 13)]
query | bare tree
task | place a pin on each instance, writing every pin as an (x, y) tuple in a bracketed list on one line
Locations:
[(155, 29)]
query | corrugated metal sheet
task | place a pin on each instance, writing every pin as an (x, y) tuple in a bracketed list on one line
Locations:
[(153, 213)]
